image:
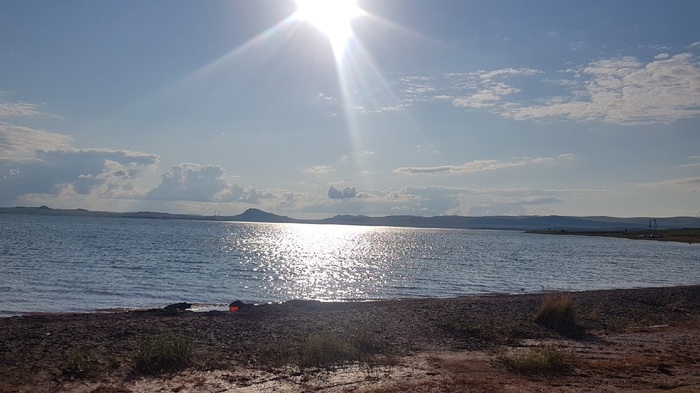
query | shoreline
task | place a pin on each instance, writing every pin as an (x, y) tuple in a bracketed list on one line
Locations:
[(646, 335), (204, 307)]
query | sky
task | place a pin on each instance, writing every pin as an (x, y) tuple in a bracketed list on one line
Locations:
[(421, 107)]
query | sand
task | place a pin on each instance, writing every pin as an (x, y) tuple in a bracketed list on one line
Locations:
[(630, 340)]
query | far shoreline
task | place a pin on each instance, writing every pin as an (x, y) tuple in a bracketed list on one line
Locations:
[(684, 235)]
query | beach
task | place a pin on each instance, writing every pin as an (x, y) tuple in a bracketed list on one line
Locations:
[(625, 340)]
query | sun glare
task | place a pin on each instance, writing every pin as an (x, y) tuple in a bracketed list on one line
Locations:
[(331, 17)]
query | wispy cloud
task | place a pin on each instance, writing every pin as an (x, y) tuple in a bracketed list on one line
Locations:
[(23, 142), (622, 91), (319, 170), (479, 166), (626, 91), (18, 109), (693, 161), (686, 184)]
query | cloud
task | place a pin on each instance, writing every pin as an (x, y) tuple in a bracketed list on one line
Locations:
[(479, 166), (693, 161), (100, 172), (191, 182), (486, 97), (195, 182), (686, 184), (22, 142), (508, 72), (319, 170), (621, 90), (626, 91), (18, 109), (345, 193)]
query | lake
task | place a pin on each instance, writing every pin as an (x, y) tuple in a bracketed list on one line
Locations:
[(84, 264)]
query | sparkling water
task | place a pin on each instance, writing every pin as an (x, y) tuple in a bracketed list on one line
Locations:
[(81, 264)]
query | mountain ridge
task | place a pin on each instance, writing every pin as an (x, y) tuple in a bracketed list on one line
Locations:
[(552, 222)]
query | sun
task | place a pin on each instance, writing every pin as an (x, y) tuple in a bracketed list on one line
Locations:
[(330, 17)]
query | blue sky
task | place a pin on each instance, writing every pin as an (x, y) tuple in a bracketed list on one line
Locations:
[(430, 108)]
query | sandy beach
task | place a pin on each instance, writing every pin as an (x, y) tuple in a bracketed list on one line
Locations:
[(627, 340)]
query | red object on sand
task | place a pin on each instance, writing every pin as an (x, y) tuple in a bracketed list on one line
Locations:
[(233, 308)]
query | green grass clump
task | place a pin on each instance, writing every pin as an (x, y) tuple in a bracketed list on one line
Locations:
[(162, 353), (548, 360), (557, 312)]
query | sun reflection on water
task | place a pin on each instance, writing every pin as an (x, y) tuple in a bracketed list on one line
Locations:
[(299, 261)]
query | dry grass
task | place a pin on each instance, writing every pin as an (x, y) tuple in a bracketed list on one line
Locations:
[(547, 360), (325, 350), (162, 353), (557, 312)]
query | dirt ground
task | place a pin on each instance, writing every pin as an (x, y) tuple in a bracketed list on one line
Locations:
[(630, 340)]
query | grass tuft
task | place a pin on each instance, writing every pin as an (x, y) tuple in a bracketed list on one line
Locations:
[(162, 353), (325, 350), (557, 312), (78, 363), (547, 360)]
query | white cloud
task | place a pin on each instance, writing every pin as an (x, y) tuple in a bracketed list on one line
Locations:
[(508, 72), (479, 166), (22, 142), (623, 91), (195, 182), (319, 170), (486, 97), (18, 109), (626, 91)]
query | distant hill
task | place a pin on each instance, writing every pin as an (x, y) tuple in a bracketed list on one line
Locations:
[(257, 215), (523, 223)]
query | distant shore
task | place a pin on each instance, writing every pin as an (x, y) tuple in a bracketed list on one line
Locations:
[(629, 340), (513, 223), (688, 235)]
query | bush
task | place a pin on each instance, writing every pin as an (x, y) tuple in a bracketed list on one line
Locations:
[(557, 313), (543, 361), (165, 352)]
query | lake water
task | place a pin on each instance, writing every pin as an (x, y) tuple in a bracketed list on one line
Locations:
[(82, 264)]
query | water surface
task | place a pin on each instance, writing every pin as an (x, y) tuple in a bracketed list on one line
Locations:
[(63, 263)]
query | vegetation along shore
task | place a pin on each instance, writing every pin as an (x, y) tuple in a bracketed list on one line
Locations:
[(612, 340), (685, 235)]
